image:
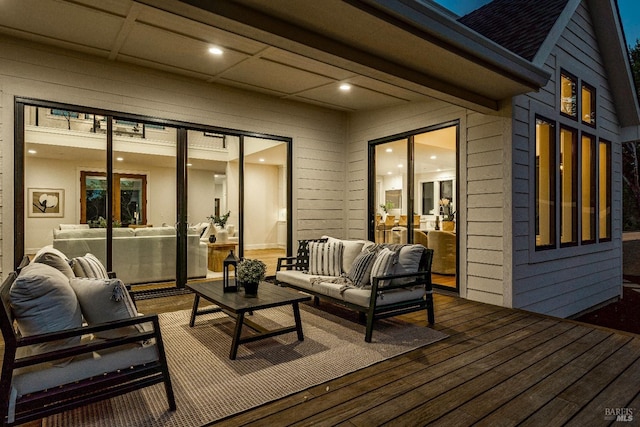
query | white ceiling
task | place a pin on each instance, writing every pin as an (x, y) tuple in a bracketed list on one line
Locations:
[(175, 37)]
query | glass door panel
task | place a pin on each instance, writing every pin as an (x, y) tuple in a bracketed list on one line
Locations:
[(390, 194), (212, 202), (144, 202), (265, 201), (57, 142), (435, 172)]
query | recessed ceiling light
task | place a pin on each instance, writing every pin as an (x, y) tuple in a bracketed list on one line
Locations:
[(345, 87), (215, 50), (400, 165), (432, 157), (189, 164), (119, 159), (32, 151), (389, 173), (261, 160), (389, 150)]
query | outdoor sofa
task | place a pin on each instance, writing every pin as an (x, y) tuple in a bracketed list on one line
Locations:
[(378, 281)]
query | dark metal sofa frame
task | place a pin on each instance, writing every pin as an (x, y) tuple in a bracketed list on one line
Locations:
[(68, 396), (373, 311)]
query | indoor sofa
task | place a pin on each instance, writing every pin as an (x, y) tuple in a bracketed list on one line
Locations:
[(140, 255), (378, 281)]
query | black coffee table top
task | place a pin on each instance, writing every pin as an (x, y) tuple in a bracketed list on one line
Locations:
[(269, 295)]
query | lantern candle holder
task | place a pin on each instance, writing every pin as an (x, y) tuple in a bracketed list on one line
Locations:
[(229, 266)]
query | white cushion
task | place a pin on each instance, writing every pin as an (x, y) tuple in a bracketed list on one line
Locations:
[(104, 300), (43, 302), (362, 297), (74, 226)]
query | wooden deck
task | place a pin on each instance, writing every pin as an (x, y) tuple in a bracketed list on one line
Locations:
[(498, 367)]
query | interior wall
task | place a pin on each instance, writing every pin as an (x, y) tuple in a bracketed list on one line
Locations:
[(32, 70)]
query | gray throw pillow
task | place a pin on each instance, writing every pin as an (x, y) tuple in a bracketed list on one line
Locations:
[(408, 262), (54, 260), (104, 300), (43, 302)]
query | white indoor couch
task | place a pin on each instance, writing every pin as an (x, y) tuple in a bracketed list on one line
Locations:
[(141, 255)]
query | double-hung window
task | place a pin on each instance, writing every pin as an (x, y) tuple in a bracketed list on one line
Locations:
[(572, 171)]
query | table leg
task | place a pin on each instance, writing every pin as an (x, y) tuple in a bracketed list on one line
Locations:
[(296, 316), (236, 336), (194, 310)]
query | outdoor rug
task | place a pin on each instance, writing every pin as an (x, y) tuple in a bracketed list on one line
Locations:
[(208, 386)]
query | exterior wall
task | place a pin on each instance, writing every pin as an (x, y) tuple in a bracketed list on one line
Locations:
[(41, 72), (566, 281), (484, 201)]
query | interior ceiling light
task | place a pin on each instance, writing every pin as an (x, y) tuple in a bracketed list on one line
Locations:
[(400, 165), (119, 159), (215, 50), (261, 160), (189, 164), (432, 157), (389, 173), (389, 150), (32, 151), (345, 87)]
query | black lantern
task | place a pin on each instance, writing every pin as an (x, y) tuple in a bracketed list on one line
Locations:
[(229, 265)]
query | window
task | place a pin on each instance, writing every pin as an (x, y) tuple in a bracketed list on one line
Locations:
[(588, 189), (130, 198), (568, 85), (604, 197), (428, 202), (588, 105), (572, 176), (545, 183), (568, 186)]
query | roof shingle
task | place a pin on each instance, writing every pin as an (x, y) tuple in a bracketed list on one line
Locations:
[(518, 25)]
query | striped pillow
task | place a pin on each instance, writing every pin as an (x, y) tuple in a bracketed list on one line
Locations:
[(383, 265), (325, 259), (360, 273), (89, 266)]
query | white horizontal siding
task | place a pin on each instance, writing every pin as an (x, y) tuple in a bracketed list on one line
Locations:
[(37, 71), (568, 280)]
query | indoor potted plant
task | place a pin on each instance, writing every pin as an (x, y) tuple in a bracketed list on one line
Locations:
[(220, 222), (250, 272)]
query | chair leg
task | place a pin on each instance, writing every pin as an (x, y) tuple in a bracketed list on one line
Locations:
[(430, 315)]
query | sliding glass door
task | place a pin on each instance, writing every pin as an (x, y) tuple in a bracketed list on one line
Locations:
[(156, 201), (414, 194)]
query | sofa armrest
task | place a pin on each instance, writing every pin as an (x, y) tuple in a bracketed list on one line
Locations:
[(95, 345), (421, 278), (289, 263)]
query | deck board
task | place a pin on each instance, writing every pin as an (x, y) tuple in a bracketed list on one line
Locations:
[(498, 367)]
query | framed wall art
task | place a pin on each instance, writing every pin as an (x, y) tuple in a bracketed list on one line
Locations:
[(45, 202)]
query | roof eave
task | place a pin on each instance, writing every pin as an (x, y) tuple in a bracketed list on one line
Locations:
[(428, 19)]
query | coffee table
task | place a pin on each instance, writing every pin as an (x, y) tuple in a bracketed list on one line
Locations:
[(236, 305)]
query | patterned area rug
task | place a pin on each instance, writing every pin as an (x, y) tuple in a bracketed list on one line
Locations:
[(208, 386)]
